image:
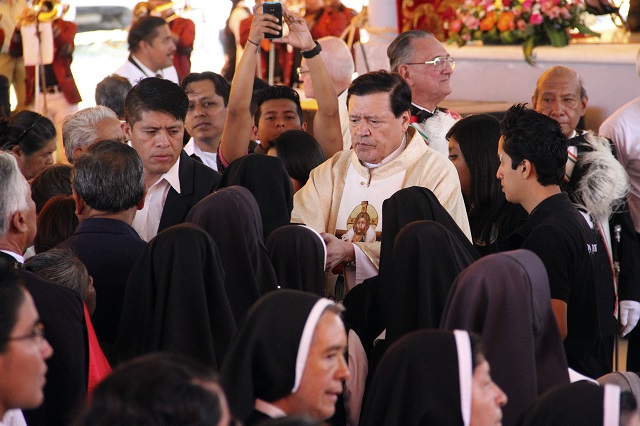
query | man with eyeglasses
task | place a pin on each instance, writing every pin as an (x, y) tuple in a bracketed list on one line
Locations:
[(596, 183), (426, 66), (61, 309)]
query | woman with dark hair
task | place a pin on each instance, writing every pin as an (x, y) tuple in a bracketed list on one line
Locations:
[(434, 377), (300, 153), (23, 348), (158, 389), (31, 137), (56, 222), (473, 147), (52, 181)]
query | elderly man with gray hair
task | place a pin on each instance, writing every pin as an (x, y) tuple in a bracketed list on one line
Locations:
[(426, 66), (108, 189), (88, 126)]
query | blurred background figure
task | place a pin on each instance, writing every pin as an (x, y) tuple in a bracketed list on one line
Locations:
[(111, 92)]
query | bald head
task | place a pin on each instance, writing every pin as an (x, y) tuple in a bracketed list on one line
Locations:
[(561, 95), (339, 62)]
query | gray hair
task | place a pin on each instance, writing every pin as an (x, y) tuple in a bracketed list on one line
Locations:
[(14, 190), (61, 267), (109, 177), (401, 49), (79, 129)]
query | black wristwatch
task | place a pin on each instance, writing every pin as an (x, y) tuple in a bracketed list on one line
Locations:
[(308, 54)]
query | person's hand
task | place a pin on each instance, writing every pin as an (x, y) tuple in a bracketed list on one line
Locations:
[(338, 251), (262, 24), (629, 315), (299, 35)]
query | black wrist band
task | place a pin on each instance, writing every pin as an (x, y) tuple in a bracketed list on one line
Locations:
[(308, 54), (255, 44)]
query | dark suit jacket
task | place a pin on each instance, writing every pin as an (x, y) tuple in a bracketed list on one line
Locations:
[(108, 248), (196, 182), (61, 312)]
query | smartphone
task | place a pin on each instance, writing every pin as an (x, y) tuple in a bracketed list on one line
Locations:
[(275, 9)]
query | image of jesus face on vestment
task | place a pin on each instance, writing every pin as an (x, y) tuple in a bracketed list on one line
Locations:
[(361, 225)]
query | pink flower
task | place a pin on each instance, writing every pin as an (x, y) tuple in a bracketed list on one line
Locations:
[(456, 26), (521, 24), (536, 19), (526, 5), (506, 3), (466, 37)]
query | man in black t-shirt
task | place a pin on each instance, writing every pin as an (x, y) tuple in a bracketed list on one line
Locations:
[(533, 153)]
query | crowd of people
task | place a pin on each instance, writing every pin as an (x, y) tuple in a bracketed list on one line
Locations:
[(203, 259)]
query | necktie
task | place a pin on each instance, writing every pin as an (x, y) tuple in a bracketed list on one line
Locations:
[(420, 114)]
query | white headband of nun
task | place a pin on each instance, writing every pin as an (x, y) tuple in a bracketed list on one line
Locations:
[(611, 411), (324, 245), (307, 336), (465, 373)]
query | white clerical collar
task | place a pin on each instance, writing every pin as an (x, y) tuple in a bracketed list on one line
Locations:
[(146, 70), (389, 158), (19, 258), (172, 176), (573, 134), (269, 409), (423, 108)]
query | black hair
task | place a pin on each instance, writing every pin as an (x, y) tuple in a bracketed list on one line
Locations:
[(145, 28), (300, 153), (383, 82), (477, 136), (157, 95), (275, 92), (156, 389), (109, 177), (52, 181), (529, 135), (28, 130), (220, 84), (111, 92), (56, 222), (11, 298)]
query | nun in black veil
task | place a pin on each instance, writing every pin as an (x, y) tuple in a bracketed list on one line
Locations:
[(175, 299), (268, 181), (232, 219), (433, 377), (298, 254), (505, 298)]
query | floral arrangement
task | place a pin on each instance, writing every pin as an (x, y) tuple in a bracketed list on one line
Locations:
[(528, 22)]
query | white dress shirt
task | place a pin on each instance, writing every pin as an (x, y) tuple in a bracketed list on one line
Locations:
[(147, 220), (209, 159)]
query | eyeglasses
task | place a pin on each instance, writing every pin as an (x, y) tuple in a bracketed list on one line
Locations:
[(439, 63), (37, 334), (301, 71)]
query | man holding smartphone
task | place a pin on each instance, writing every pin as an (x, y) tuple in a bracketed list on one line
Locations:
[(279, 109)]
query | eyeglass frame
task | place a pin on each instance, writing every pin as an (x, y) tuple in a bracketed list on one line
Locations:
[(36, 334), (300, 71), (447, 60)]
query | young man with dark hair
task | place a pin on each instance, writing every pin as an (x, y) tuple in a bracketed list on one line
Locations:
[(155, 111), (278, 108), (152, 48), (533, 153)]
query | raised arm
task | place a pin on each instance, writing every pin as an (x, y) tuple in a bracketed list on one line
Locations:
[(326, 123), (237, 127)]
